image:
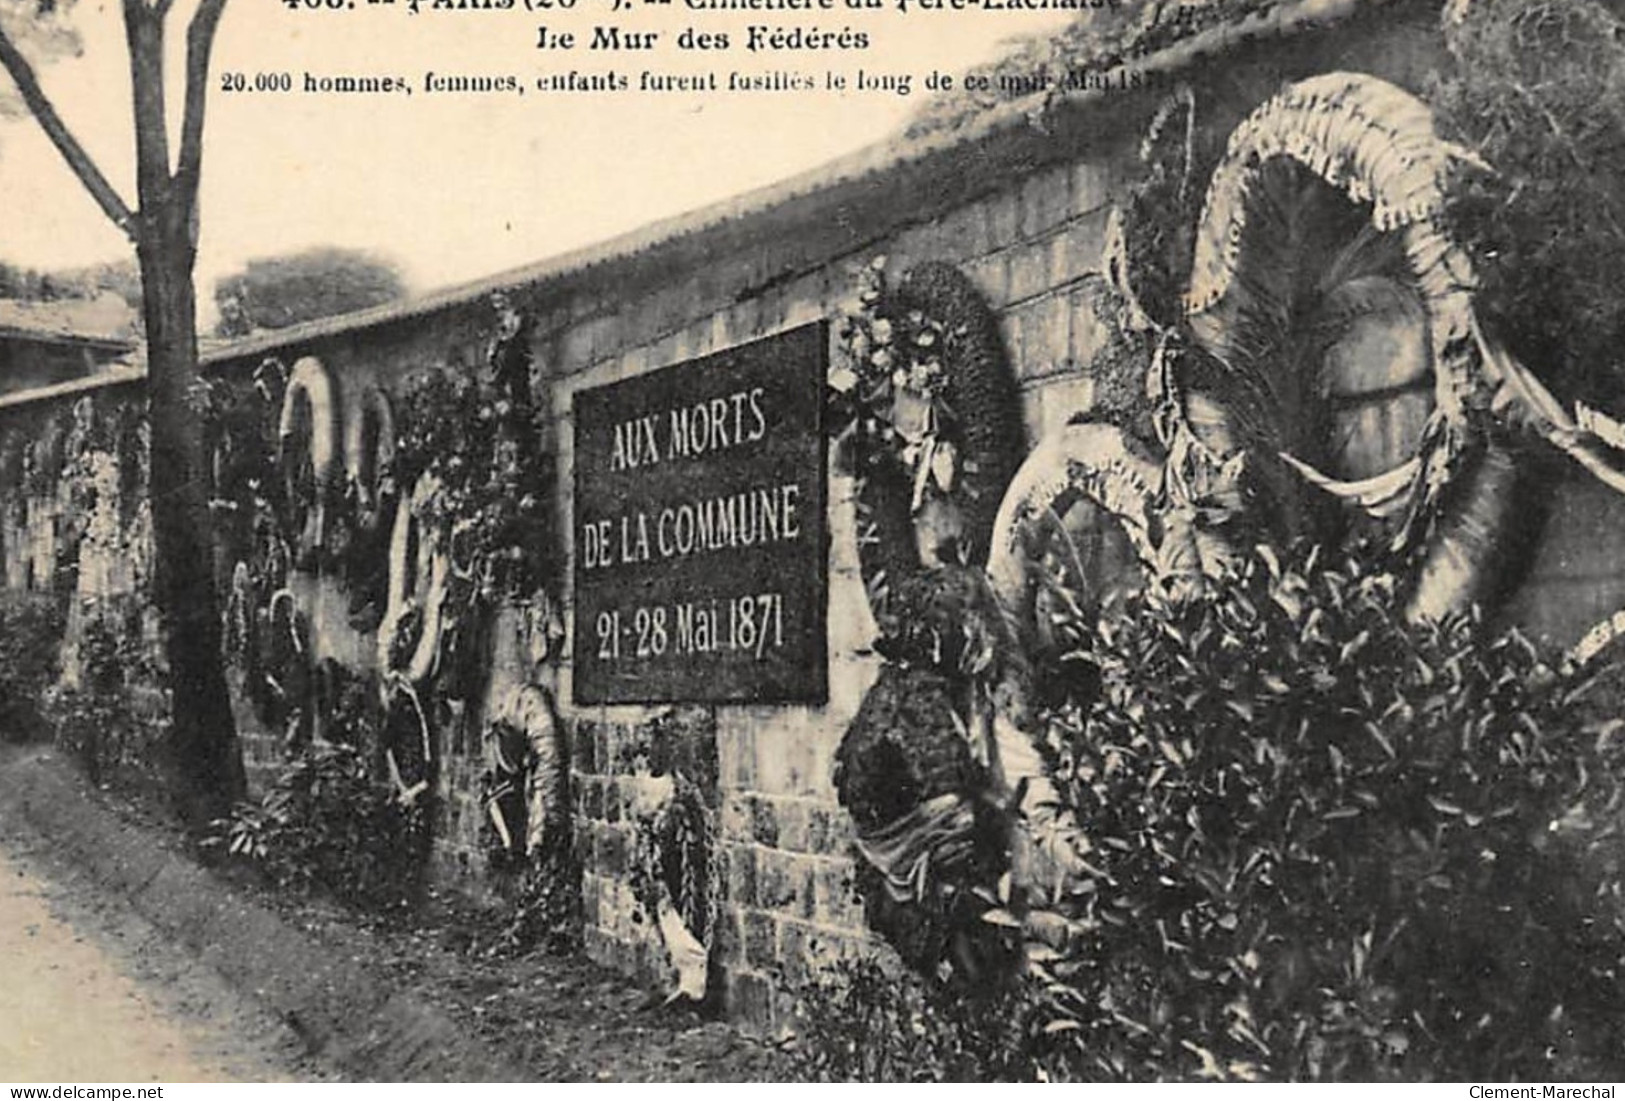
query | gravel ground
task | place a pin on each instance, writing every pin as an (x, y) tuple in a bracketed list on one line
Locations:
[(556, 1017), (560, 1017), (92, 993)]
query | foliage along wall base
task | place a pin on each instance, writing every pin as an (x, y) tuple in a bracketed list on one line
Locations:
[(998, 753)]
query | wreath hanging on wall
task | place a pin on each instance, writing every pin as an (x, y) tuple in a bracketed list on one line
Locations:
[(928, 414)]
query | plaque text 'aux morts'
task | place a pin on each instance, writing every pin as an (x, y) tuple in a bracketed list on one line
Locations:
[(700, 568)]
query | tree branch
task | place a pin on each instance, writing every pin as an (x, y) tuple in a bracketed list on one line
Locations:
[(199, 45), (39, 105), (144, 31)]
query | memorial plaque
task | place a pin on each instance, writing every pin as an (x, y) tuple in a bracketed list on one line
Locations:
[(700, 563)]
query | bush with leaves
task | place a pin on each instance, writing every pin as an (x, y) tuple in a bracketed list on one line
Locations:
[(542, 910), (326, 824), (1538, 91), (114, 721), (30, 630), (1313, 841), (862, 1021), (1308, 840)]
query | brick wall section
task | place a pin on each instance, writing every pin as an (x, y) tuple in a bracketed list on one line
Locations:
[(616, 769), (783, 890), (785, 873)]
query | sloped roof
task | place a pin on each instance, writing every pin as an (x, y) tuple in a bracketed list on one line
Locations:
[(1240, 22), (104, 322)]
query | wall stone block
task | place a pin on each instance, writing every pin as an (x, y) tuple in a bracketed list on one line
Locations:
[(991, 274), (1091, 335), (735, 818), (811, 869), (914, 246), (1029, 270), (765, 822), (1043, 332), (776, 880), (1004, 218), (1076, 252), (1091, 185), (760, 933), (741, 881), (1054, 402), (837, 899), (824, 836), (965, 234), (1046, 201), (728, 938), (576, 348)]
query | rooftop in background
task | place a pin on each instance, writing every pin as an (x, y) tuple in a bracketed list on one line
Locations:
[(103, 323)]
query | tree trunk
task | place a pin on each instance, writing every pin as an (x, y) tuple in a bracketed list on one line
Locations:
[(204, 762)]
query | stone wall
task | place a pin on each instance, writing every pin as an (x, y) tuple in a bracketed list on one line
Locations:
[(385, 358), (782, 868), (785, 872)]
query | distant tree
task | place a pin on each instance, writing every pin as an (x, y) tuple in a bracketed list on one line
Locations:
[(19, 283), (320, 282), (120, 277)]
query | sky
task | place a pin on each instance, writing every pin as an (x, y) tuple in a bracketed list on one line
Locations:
[(458, 187)]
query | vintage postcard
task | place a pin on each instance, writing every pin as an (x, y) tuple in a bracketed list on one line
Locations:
[(812, 540)]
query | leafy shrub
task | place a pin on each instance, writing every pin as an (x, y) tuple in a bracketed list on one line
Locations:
[(115, 721), (543, 905), (865, 1022), (1313, 841), (30, 628), (1538, 90), (327, 824), (1309, 841)]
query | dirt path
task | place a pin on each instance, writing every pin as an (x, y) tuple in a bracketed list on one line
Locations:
[(116, 950), (91, 993)]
